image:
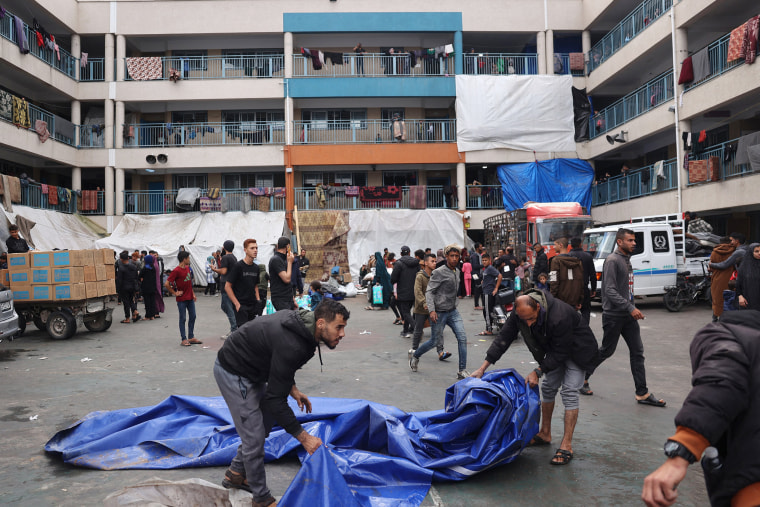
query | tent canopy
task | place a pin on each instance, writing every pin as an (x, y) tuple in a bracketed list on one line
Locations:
[(49, 229)]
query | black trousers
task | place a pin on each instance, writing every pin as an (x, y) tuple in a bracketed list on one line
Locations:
[(394, 307), (614, 326), (405, 309), (282, 304), (477, 292), (586, 305), (149, 298), (129, 302), (489, 301), (246, 313), (210, 288)]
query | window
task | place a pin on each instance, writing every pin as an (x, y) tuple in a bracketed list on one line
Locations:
[(312, 179), (196, 59), (248, 180), (387, 116), (190, 117), (190, 181), (639, 248), (399, 178), (274, 118), (336, 119)]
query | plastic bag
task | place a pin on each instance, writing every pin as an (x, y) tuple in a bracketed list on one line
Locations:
[(350, 290), (269, 309), (377, 295), (303, 302)]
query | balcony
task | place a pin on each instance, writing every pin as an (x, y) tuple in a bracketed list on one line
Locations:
[(727, 160), (718, 54), (60, 129), (213, 67), (565, 58), (632, 25), (636, 103), (372, 132), (143, 135), (639, 183), (93, 70), (496, 64), (32, 195), (157, 202), (374, 65)]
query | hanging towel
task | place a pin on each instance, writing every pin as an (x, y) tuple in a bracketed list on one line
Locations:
[(279, 192), (7, 204), (576, 61), (742, 156), (321, 57), (702, 136), (262, 203), (315, 61), (335, 58), (736, 43), (256, 191), (418, 197), (89, 200), (749, 47), (687, 71), (21, 113), (659, 171), (83, 60), (44, 188), (701, 63), (14, 188), (52, 194), (23, 43), (6, 105), (40, 127), (64, 195), (320, 193), (213, 193), (144, 69), (449, 49)]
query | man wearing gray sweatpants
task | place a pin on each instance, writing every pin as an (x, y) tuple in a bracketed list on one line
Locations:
[(255, 371)]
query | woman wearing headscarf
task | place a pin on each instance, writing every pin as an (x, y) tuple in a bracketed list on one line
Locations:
[(159, 299), (147, 277), (210, 280), (384, 279), (748, 279), (720, 277)]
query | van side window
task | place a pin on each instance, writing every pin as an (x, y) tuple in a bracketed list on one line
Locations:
[(639, 244), (660, 242)]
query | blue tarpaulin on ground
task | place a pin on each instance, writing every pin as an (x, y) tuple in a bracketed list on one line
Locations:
[(557, 180), (375, 454)]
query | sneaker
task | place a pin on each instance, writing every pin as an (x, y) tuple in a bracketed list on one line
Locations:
[(462, 374), (225, 336), (445, 354), (407, 335), (411, 353), (413, 362)]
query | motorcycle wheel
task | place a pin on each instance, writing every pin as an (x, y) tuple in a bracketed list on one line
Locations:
[(672, 300)]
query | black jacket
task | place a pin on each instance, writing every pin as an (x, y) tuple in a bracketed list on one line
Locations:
[(724, 403), (16, 245), (404, 274), (560, 334), (589, 271), (540, 266), (148, 283), (270, 349), (126, 277)]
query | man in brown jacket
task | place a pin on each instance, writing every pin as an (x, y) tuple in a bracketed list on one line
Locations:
[(720, 277), (566, 275)]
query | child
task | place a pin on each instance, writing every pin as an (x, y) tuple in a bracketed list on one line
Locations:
[(542, 284), (315, 294), (729, 297), (467, 272)]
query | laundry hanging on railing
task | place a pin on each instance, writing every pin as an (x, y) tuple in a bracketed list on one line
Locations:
[(21, 40), (144, 68), (418, 197), (21, 113), (687, 71), (6, 105), (701, 64), (52, 194), (89, 200), (577, 61), (390, 193), (40, 126), (742, 149), (749, 47), (83, 60), (736, 43)]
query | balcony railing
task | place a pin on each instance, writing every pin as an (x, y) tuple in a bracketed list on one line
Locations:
[(306, 199), (484, 197), (718, 54), (60, 60), (156, 202), (636, 103), (203, 134), (32, 196), (565, 59), (100, 204), (632, 25), (61, 130), (639, 183), (372, 131), (727, 161), (375, 65), (91, 136), (218, 67), (93, 70), (501, 63)]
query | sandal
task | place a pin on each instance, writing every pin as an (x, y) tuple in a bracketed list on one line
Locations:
[(136, 318), (185, 343), (485, 333), (235, 480), (651, 400), (538, 441), (586, 390), (561, 457), (126, 321), (398, 322)]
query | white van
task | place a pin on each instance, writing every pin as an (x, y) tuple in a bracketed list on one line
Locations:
[(658, 257)]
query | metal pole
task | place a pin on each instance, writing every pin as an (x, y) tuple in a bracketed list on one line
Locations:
[(679, 151)]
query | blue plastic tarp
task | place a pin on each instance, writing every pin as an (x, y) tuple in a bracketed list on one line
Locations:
[(377, 454), (557, 180)]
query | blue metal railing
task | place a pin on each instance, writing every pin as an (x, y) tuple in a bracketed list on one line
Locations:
[(155, 202), (639, 183), (32, 196), (484, 197), (639, 101), (100, 206), (61, 60), (91, 136), (372, 131), (501, 63), (565, 60), (718, 54), (306, 199), (726, 161), (632, 25), (203, 134), (217, 67), (374, 65), (94, 70), (56, 133)]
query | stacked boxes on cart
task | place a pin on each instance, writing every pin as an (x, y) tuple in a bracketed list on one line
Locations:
[(60, 275)]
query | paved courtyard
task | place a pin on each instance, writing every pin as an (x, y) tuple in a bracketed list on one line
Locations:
[(617, 441)]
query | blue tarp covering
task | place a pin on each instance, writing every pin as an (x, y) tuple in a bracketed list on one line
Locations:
[(557, 180), (375, 455)]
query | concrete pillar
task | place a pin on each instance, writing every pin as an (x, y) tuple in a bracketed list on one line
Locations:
[(288, 55), (586, 45), (108, 191), (119, 125), (541, 52), (108, 114), (550, 52), (76, 119), (119, 192), (288, 74), (76, 178), (76, 52), (458, 53), (461, 186), (289, 127), (108, 57), (121, 53)]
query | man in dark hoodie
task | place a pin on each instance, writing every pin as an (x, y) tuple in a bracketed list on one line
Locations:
[(589, 276), (403, 275), (564, 347), (255, 371), (566, 275), (126, 286)]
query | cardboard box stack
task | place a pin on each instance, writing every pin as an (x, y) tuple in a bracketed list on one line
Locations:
[(61, 275)]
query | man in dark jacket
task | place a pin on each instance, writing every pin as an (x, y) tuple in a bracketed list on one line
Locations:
[(404, 274), (14, 243), (255, 371), (564, 347), (126, 286), (723, 411), (541, 265), (589, 276), (566, 275), (476, 260)]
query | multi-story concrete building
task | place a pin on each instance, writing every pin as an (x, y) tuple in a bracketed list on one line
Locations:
[(145, 97)]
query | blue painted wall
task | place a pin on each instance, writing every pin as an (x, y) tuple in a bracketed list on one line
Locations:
[(350, 22), (437, 86)]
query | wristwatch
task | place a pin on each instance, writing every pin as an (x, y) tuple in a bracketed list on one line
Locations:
[(538, 372), (675, 449)]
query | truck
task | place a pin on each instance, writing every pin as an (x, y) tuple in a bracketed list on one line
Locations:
[(659, 257), (536, 222)]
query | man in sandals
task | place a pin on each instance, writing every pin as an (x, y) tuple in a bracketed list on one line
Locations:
[(621, 317), (180, 285), (563, 345), (255, 371)]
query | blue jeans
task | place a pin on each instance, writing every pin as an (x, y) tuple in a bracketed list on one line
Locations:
[(455, 322), (229, 309), (186, 306)]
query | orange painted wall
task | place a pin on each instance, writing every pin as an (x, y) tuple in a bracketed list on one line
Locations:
[(346, 154)]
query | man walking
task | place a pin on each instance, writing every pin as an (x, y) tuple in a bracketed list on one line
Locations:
[(476, 260), (226, 264), (280, 272), (620, 316), (441, 297), (180, 285), (404, 275), (420, 307), (563, 345), (589, 276), (566, 275), (255, 371), (491, 283), (242, 285)]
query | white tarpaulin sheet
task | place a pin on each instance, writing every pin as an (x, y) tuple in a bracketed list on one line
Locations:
[(373, 230), (200, 233), (52, 229), (530, 113)]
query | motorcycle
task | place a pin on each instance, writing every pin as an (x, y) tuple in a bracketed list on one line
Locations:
[(687, 291), (503, 306)]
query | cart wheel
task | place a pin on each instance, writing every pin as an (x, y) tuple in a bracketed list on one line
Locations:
[(40, 325), (99, 324), (61, 325)]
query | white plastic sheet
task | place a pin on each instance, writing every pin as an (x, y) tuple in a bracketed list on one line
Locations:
[(52, 229), (529, 113)]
